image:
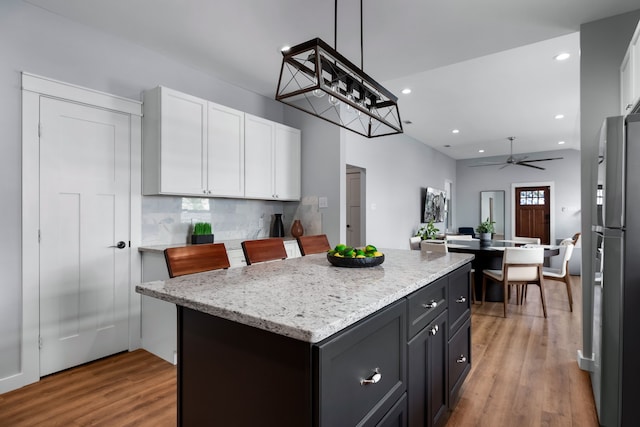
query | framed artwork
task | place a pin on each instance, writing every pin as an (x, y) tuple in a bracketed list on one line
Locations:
[(435, 205)]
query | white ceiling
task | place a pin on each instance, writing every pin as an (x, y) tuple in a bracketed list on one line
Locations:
[(483, 67)]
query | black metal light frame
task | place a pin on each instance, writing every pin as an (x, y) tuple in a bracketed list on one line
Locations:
[(318, 80)]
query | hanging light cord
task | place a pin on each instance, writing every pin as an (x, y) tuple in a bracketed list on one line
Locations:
[(335, 32), (361, 40)]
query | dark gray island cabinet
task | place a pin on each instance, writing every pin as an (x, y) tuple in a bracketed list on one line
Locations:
[(400, 365)]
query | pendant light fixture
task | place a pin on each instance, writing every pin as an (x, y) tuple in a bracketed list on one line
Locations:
[(318, 80)]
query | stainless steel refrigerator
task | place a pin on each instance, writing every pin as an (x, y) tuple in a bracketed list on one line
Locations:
[(616, 340)]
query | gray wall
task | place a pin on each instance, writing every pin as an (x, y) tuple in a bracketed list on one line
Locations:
[(38, 42), (565, 174), (398, 170), (322, 167), (41, 43), (603, 44)]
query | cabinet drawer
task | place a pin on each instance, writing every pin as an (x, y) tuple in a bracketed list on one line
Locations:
[(397, 416), (459, 298), (425, 304), (459, 360), (342, 362)]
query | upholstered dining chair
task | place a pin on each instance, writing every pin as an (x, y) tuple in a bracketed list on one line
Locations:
[(562, 274), (195, 259), (315, 244), (458, 237), (520, 267), (467, 230), (262, 250), (531, 240), (436, 246), (414, 242)]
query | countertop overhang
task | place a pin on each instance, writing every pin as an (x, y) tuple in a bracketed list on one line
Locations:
[(305, 298)]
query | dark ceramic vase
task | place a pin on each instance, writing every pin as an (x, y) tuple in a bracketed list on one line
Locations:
[(277, 229)]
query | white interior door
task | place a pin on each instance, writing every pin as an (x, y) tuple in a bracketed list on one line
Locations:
[(353, 209), (84, 213)]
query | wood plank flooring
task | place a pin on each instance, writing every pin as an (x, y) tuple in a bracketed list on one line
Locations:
[(524, 369), (524, 374)]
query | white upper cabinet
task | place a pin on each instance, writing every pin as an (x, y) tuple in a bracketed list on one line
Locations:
[(174, 145), (191, 147), (272, 160), (630, 75), (287, 159), (225, 152)]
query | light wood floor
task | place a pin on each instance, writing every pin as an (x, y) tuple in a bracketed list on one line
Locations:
[(524, 374)]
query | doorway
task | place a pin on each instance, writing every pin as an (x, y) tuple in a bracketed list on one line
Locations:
[(81, 222), (533, 212), (355, 202)]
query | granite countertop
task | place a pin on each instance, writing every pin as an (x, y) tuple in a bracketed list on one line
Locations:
[(304, 298), (229, 244)]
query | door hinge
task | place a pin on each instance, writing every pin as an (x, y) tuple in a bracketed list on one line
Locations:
[(38, 236), (39, 130), (39, 342)]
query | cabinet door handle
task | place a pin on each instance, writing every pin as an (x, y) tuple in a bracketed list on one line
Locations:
[(461, 300), (434, 330), (461, 359), (432, 304), (373, 379)]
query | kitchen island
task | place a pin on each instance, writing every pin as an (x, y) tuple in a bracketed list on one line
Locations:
[(302, 343)]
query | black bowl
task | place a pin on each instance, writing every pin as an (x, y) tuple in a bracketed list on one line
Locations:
[(355, 262)]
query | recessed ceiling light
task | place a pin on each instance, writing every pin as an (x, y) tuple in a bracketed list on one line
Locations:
[(480, 151), (559, 116), (560, 142), (455, 131), (562, 56), (406, 91), (285, 48)]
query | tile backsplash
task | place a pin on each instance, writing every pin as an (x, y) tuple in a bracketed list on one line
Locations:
[(168, 219)]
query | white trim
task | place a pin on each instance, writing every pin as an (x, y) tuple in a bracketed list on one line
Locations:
[(33, 87), (57, 89), (552, 206)]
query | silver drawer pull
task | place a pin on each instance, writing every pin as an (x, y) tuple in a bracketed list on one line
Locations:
[(462, 359), (432, 304), (461, 300), (373, 379), (434, 330)]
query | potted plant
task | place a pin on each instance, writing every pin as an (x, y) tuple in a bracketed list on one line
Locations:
[(485, 229), (427, 231), (201, 233)]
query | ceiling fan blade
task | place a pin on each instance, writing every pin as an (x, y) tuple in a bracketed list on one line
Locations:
[(530, 166), (505, 165), (544, 160), (487, 164)]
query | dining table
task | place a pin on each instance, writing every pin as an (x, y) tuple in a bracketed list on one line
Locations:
[(488, 255)]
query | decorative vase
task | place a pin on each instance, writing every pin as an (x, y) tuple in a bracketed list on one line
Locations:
[(277, 229), (485, 237), (296, 228)]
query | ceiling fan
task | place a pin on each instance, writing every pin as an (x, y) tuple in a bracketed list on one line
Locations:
[(520, 161)]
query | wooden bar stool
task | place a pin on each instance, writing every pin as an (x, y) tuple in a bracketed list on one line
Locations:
[(313, 244), (262, 250), (196, 259)]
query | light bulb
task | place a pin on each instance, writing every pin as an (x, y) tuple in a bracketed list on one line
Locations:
[(332, 99), (318, 93)]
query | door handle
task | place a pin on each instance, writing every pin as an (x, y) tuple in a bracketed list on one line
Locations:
[(119, 245)]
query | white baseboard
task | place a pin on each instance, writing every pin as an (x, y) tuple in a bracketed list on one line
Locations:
[(585, 363)]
